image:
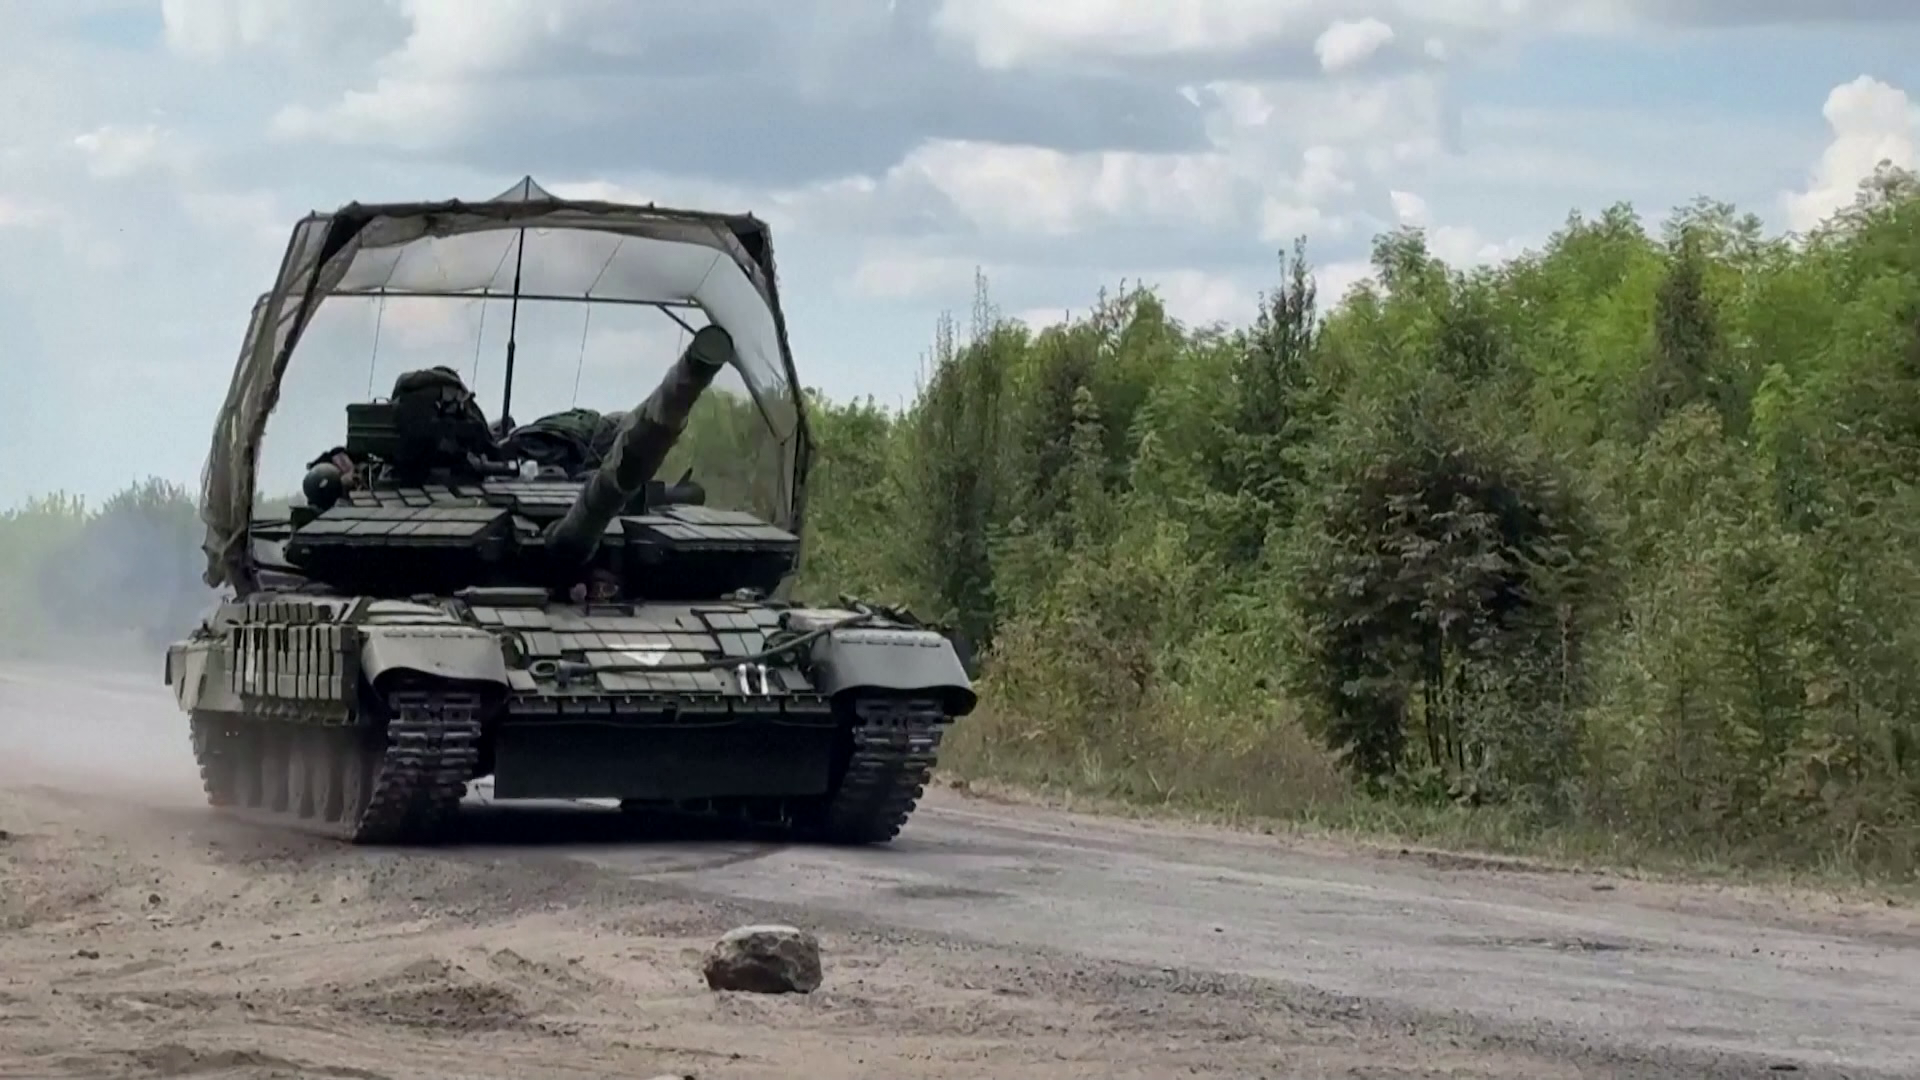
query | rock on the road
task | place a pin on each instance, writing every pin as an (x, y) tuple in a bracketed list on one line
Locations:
[(764, 960)]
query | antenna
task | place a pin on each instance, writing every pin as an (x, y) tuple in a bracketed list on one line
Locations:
[(513, 326), (379, 320)]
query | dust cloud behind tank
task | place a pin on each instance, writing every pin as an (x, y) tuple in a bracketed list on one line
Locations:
[(444, 604)]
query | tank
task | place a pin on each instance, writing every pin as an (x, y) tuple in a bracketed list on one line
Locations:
[(440, 611)]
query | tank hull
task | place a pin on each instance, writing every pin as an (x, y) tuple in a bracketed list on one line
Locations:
[(366, 718)]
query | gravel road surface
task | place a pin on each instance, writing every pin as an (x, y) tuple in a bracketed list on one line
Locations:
[(142, 935)]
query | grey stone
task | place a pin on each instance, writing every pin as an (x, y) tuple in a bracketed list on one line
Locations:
[(764, 960)]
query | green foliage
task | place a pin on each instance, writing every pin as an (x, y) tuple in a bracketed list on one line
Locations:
[(1618, 540), (731, 452), (126, 572), (1438, 585), (1272, 413)]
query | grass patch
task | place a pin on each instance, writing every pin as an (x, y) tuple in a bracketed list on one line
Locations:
[(1283, 785)]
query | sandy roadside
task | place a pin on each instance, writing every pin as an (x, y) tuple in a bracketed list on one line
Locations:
[(160, 942), (143, 936), (148, 941)]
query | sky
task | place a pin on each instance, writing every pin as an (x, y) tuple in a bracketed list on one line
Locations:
[(154, 156)]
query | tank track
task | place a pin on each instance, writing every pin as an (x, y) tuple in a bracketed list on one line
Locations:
[(398, 784), (895, 744), (883, 767)]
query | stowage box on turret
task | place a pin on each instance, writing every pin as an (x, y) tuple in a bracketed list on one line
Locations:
[(441, 610)]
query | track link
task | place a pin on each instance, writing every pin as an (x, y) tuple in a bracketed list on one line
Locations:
[(890, 749), (433, 749), (400, 785), (896, 743)]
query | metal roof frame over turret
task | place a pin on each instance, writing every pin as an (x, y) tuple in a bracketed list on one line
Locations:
[(720, 264), (433, 614)]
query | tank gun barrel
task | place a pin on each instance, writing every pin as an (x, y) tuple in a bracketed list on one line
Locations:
[(646, 436)]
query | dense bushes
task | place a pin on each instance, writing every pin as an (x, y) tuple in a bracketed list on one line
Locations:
[(1618, 540)]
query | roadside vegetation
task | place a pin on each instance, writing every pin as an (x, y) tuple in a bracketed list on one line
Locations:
[(1611, 551)]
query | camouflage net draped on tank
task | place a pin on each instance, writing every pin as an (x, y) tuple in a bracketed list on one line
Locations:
[(572, 248)]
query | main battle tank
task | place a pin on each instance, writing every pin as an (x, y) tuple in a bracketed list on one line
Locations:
[(439, 612)]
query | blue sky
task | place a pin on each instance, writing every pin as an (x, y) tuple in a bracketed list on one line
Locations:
[(154, 155)]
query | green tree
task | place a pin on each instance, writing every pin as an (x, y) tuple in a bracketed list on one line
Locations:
[(1619, 538)]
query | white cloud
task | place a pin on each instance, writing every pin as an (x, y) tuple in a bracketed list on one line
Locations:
[(1332, 281), (1282, 154), (21, 213), (1041, 318), (426, 324), (1036, 189), (405, 113), (94, 252), (624, 357), (1285, 160), (254, 217), (1872, 122), (1020, 33), (1281, 221), (1377, 123), (461, 38), (891, 155), (1195, 297), (787, 211), (1007, 33), (897, 274), (1349, 42), (1464, 246), (214, 30), (1199, 298), (1408, 208), (1456, 245), (1323, 173), (115, 152), (448, 79), (661, 190)]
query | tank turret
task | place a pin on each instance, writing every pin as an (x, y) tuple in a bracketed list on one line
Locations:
[(646, 436)]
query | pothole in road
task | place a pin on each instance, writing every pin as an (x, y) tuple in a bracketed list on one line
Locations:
[(1462, 861), (1556, 944), (943, 892)]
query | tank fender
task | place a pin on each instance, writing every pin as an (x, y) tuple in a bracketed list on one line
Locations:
[(454, 652), (186, 672), (895, 658)]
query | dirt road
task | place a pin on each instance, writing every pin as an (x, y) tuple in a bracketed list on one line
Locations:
[(142, 936)]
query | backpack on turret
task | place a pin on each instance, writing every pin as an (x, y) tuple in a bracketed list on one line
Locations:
[(437, 420), (572, 442)]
